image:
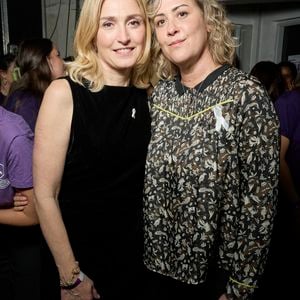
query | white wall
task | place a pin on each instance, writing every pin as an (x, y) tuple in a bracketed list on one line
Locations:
[(59, 21), (267, 23), (263, 41)]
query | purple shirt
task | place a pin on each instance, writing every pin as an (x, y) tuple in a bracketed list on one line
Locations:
[(16, 143), (288, 110), (25, 104)]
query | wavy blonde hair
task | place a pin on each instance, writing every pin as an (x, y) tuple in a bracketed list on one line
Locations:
[(86, 65), (220, 39)]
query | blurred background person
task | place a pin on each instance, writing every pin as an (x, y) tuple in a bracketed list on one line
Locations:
[(18, 280), (288, 223), (39, 62), (7, 64), (288, 71), (284, 248), (268, 73)]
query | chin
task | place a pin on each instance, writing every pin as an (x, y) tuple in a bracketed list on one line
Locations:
[(126, 65)]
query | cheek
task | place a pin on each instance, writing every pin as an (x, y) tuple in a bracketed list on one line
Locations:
[(10, 78), (105, 39), (140, 36), (159, 36), (59, 68)]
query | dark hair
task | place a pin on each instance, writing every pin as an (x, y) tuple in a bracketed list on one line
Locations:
[(268, 73), (34, 69), (6, 60), (291, 66)]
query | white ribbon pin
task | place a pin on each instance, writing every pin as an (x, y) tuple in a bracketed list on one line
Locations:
[(220, 121), (133, 113)]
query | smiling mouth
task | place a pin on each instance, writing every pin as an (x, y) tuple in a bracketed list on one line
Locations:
[(125, 50)]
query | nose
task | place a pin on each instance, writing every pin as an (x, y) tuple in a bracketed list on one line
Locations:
[(123, 36), (172, 28)]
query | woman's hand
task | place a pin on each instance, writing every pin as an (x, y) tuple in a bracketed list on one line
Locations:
[(20, 201), (84, 291)]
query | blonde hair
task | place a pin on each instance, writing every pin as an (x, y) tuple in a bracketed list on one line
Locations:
[(85, 65), (221, 43)]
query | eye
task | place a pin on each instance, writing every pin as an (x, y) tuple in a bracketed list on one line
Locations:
[(182, 14), (107, 25), (159, 22), (134, 23)]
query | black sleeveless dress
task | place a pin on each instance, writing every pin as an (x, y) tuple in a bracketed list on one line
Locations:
[(102, 185)]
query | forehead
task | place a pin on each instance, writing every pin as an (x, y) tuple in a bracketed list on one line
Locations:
[(120, 8), (286, 70), (171, 4)]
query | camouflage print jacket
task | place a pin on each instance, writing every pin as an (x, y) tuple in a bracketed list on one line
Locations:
[(212, 171)]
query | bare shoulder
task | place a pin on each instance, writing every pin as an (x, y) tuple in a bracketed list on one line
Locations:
[(58, 93), (57, 103)]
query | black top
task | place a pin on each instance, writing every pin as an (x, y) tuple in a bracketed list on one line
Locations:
[(101, 190), (108, 143)]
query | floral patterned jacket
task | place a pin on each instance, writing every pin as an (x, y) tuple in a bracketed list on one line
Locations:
[(211, 174)]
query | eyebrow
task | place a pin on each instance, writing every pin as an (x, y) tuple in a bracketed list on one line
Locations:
[(110, 18), (173, 10)]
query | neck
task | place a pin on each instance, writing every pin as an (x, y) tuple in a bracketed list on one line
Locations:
[(118, 78), (117, 81), (194, 73)]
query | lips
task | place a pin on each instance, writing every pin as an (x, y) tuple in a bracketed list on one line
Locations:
[(124, 50), (177, 42)]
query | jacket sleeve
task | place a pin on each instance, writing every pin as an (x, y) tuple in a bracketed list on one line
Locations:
[(258, 159)]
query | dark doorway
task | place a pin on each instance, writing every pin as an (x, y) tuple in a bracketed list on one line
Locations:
[(24, 20), (291, 44)]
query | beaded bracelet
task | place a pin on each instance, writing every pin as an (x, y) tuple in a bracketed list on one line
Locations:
[(75, 272), (75, 284)]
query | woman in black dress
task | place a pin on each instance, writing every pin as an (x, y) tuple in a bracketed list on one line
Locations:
[(90, 146)]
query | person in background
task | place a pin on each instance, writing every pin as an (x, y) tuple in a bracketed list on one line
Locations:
[(288, 71), (297, 80), (288, 109), (213, 160), (89, 154), (7, 64), (17, 281), (284, 249), (268, 73), (288, 221), (39, 62)]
